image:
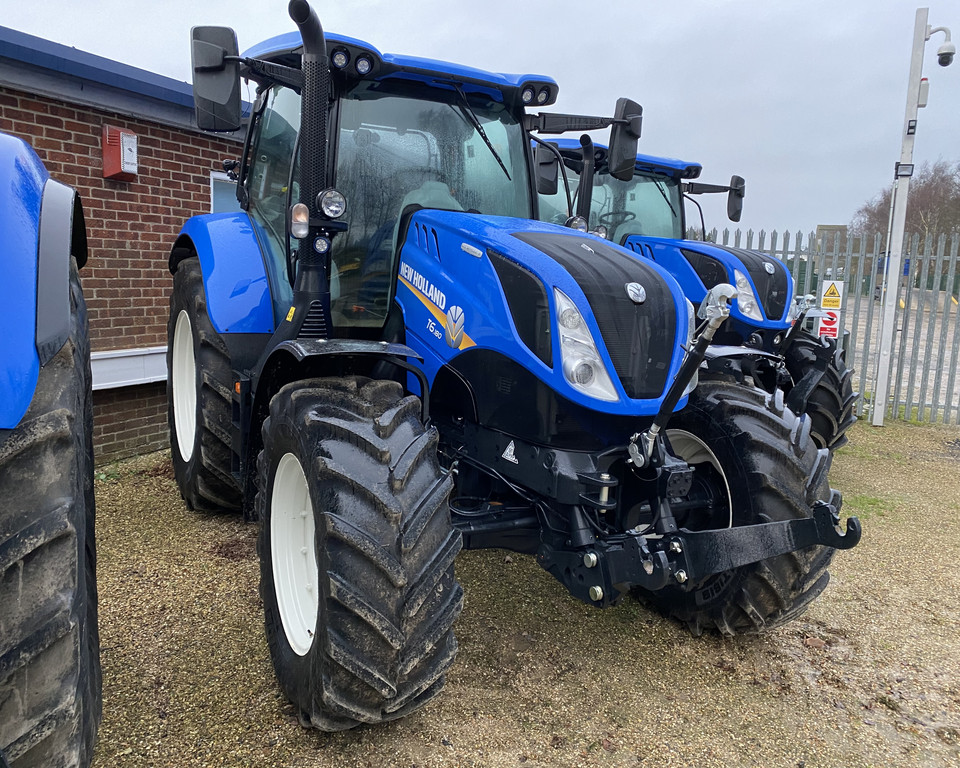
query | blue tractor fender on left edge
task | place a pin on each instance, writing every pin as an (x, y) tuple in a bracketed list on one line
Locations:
[(235, 277), (42, 225)]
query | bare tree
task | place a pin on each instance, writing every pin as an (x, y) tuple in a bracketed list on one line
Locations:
[(933, 206)]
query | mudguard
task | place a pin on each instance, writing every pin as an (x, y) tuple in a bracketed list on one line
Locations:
[(42, 224), (453, 303), (235, 277)]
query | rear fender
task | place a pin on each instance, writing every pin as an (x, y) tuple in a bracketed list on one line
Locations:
[(235, 279)]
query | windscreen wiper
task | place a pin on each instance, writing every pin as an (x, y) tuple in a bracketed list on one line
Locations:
[(661, 190), (467, 110)]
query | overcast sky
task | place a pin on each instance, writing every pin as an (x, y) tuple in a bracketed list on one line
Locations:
[(804, 98)]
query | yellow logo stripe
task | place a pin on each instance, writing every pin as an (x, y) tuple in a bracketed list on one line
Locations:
[(436, 312)]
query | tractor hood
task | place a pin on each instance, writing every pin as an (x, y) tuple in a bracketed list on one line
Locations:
[(494, 281), (699, 266)]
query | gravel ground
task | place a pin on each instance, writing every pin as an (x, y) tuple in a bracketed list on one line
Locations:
[(869, 676)]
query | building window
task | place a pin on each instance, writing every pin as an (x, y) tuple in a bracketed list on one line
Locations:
[(223, 193)]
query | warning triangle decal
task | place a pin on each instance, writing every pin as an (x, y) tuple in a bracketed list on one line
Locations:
[(832, 292)]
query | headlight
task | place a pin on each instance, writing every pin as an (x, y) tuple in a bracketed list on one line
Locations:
[(581, 361), (576, 222), (746, 298), (331, 203)]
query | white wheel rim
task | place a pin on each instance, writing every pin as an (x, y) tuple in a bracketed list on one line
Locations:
[(293, 554), (184, 379), (693, 450)]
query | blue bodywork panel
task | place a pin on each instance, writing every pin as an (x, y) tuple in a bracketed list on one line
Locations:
[(668, 166), (669, 255), (234, 275), (22, 178), (290, 41), (439, 271)]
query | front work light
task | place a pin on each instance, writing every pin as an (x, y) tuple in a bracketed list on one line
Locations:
[(364, 65), (331, 203)]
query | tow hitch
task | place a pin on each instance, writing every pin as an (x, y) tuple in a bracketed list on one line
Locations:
[(600, 575)]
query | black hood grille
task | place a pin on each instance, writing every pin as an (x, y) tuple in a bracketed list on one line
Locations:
[(772, 289), (640, 338)]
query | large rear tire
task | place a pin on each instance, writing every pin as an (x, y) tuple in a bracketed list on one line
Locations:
[(755, 462), (199, 399), (49, 642), (831, 404), (356, 552)]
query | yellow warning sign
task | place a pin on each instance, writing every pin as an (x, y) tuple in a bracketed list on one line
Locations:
[(832, 297)]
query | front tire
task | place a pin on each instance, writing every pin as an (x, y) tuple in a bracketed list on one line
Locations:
[(356, 552), (199, 399), (831, 404), (49, 642), (761, 466)]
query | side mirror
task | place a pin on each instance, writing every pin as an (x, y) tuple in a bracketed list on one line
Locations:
[(622, 154), (548, 166), (216, 80), (735, 198)]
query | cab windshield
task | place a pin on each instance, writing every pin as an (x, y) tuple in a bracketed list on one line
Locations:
[(649, 204), (403, 145)]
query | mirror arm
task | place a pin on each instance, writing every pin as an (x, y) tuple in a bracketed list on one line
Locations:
[(257, 69)]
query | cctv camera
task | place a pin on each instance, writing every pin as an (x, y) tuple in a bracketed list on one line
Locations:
[(945, 54)]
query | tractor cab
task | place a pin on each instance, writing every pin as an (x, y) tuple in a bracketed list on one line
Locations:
[(649, 203), (404, 133)]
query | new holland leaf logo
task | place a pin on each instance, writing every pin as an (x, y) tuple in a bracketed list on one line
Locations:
[(454, 326)]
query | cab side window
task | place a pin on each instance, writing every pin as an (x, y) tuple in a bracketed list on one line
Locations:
[(268, 182)]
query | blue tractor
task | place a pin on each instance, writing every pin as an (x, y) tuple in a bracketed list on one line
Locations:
[(645, 213), (49, 643), (384, 357)]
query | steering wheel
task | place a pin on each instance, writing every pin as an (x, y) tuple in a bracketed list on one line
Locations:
[(616, 218)]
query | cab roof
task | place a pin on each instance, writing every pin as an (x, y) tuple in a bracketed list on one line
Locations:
[(286, 48), (667, 165)]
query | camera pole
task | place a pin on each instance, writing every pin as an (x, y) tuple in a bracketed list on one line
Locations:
[(903, 170)]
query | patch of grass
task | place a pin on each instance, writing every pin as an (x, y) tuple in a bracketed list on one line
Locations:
[(109, 474), (864, 506)]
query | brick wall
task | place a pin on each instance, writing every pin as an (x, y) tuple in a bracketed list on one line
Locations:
[(130, 228), (129, 421)]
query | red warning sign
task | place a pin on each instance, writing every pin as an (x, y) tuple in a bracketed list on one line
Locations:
[(829, 324)]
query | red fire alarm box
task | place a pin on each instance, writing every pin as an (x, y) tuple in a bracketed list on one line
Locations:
[(119, 154)]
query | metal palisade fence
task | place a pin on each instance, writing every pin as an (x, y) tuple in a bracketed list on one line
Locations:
[(925, 356)]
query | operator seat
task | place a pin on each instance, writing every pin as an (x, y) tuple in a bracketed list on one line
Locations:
[(430, 194), (627, 228)]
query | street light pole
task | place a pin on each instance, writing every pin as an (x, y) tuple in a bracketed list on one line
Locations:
[(903, 172)]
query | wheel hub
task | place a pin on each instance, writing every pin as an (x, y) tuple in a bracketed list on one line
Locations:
[(293, 554)]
